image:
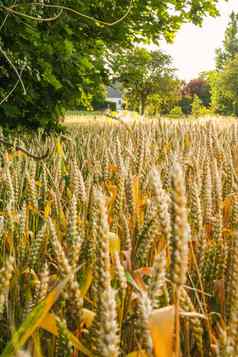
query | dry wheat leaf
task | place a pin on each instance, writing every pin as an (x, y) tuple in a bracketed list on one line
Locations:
[(161, 324), (50, 324)]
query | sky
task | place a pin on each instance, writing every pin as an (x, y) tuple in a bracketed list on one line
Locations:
[(193, 50)]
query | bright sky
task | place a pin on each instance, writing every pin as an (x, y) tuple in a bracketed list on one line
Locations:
[(193, 50)]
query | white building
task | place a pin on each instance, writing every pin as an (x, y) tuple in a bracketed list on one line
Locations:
[(114, 96)]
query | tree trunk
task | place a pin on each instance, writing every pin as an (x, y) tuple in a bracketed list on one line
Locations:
[(142, 104), (235, 108)]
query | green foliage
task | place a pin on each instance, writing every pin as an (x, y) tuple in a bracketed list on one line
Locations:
[(61, 62), (223, 81), (200, 87), (229, 85), (186, 104), (176, 112), (170, 94), (197, 108), (59, 71), (219, 103), (230, 43), (165, 99), (154, 104), (147, 77)]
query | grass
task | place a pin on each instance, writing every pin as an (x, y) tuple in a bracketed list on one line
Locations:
[(123, 241)]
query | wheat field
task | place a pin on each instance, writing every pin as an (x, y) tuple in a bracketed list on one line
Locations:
[(122, 242)]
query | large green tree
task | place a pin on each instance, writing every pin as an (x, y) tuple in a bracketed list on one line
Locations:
[(223, 80), (228, 84), (219, 103), (230, 43), (52, 52), (60, 65), (166, 98), (143, 74)]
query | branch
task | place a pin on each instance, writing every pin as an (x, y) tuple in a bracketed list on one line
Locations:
[(13, 89), (19, 148), (68, 9), (19, 13), (14, 68), (4, 21)]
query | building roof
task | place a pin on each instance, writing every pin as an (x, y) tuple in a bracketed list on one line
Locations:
[(113, 93)]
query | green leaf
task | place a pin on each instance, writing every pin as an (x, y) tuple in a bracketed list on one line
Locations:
[(50, 324), (32, 321)]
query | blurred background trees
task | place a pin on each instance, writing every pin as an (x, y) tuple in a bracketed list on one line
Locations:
[(146, 76), (224, 79)]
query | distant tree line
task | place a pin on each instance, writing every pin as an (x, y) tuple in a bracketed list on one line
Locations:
[(150, 84), (217, 90), (224, 79)]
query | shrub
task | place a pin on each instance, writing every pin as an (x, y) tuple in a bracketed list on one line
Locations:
[(176, 112), (197, 108)]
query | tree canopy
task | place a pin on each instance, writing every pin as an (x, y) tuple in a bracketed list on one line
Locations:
[(230, 43), (52, 54), (223, 80), (228, 83), (142, 73), (199, 87)]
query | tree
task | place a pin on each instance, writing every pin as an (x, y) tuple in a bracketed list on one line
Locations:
[(176, 112), (222, 81), (219, 104), (165, 99), (170, 94), (228, 84), (142, 74), (52, 54), (230, 43), (197, 107), (60, 69), (186, 104), (199, 87)]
